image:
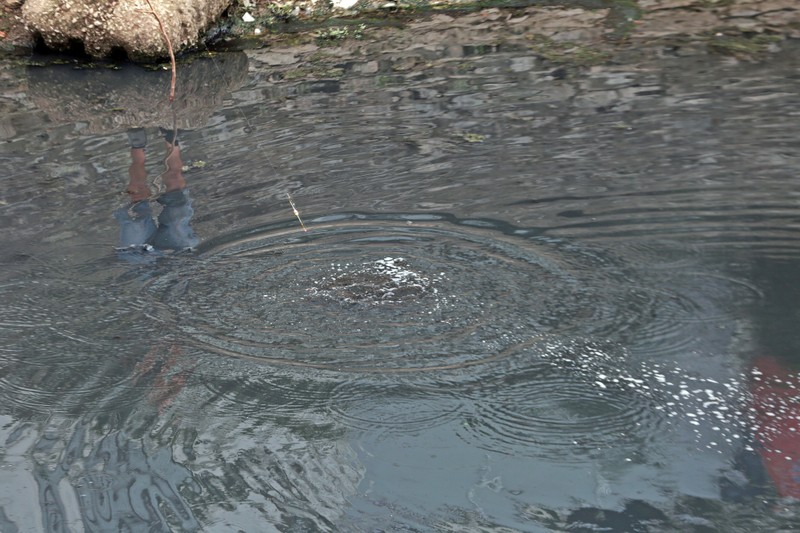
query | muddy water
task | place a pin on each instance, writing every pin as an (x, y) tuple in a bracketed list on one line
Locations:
[(529, 297)]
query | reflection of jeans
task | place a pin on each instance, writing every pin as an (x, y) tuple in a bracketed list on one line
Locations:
[(136, 224), (173, 232)]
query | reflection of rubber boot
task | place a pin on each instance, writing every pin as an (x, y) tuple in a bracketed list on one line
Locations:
[(174, 232), (136, 225), (137, 137)]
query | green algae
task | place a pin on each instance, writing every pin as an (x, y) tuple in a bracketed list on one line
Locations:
[(567, 52), (741, 45)]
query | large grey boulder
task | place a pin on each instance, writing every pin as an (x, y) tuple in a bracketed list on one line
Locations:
[(106, 25)]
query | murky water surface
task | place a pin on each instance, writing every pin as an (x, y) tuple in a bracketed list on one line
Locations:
[(529, 297)]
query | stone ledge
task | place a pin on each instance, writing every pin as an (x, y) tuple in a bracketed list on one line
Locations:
[(744, 28), (133, 26)]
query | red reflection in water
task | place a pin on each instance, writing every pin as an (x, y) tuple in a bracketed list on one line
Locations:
[(776, 403)]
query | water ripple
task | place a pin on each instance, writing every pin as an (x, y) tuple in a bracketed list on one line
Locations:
[(407, 293), (394, 408), (578, 399), (64, 341), (369, 294), (556, 407)]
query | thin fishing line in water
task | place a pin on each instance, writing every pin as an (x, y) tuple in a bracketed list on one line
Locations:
[(249, 128)]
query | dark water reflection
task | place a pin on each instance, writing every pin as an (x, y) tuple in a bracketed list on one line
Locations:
[(529, 298)]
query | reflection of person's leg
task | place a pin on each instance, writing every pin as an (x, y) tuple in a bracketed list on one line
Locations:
[(138, 188), (174, 231), (136, 221), (173, 176), (136, 224)]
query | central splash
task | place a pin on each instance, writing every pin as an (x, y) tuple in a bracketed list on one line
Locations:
[(387, 280)]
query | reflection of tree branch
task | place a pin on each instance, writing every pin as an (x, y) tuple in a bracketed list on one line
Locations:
[(169, 48)]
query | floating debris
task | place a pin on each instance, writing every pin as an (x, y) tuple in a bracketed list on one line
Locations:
[(474, 137), (296, 212)]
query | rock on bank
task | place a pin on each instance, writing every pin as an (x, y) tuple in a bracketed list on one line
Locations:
[(104, 26)]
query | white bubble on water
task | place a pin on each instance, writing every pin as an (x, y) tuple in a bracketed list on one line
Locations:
[(382, 281), (721, 412)]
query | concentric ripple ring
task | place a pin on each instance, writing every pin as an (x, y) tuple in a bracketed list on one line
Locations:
[(395, 293)]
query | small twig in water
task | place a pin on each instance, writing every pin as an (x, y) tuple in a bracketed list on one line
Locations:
[(296, 212)]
